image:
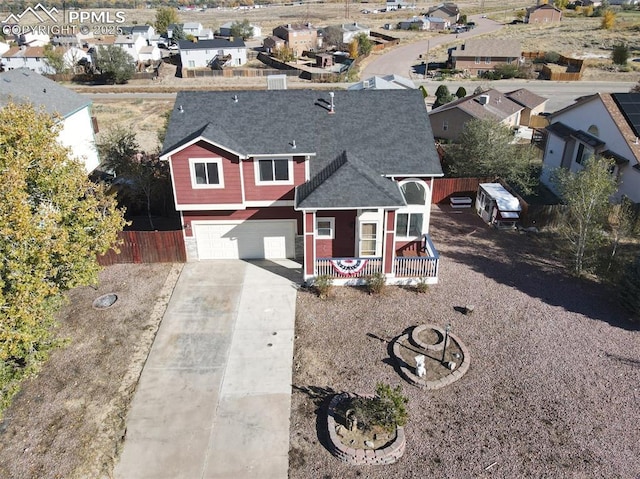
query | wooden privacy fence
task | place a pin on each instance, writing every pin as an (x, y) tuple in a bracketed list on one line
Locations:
[(443, 188), (147, 247)]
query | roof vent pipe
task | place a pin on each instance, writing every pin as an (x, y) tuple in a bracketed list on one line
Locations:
[(332, 106), (180, 109), (293, 144), (235, 98)]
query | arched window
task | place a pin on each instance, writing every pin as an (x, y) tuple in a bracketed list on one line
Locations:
[(414, 193), (593, 129)]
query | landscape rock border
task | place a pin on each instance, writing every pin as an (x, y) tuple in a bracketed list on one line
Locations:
[(360, 457), (408, 372)]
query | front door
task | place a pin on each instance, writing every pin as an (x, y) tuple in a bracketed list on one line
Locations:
[(369, 239)]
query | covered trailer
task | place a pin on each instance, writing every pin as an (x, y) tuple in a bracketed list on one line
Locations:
[(497, 206)]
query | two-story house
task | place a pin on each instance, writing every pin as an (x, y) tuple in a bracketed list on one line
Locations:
[(132, 44), (478, 55), (212, 53), (77, 132), (26, 57), (545, 13), (423, 23), (300, 37), (447, 11), (309, 174), (605, 125)]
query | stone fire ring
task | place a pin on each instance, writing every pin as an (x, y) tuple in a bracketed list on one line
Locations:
[(360, 457), (409, 372)]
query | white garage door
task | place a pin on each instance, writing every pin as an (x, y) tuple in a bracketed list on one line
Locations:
[(272, 239)]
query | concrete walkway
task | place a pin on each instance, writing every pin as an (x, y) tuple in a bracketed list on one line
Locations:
[(214, 397)]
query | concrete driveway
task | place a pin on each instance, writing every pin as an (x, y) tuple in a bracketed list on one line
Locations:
[(214, 397)]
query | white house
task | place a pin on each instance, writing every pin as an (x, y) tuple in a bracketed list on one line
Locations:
[(603, 124), (24, 86), (205, 53), (132, 44), (73, 55), (149, 53), (26, 57), (192, 28)]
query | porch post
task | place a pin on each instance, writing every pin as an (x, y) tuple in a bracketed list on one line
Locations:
[(309, 220), (389, 246)]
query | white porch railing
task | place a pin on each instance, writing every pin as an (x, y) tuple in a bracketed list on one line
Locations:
[(425, 267)]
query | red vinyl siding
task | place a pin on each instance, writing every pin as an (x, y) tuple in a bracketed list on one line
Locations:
[(185, 194), (255, 192), (343, 245), (277, 213)]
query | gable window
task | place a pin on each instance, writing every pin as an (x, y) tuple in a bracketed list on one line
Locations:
[(487, 60), (409, 224), (477, 60), (206, 172), (325, 228), (274, 171)]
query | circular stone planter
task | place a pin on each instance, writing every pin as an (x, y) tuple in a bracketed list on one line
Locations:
[(388, 454), (446, 377), (105, 301), (427, 330)]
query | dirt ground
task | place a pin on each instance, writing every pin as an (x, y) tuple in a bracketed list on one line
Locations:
[(553, 385), (68, 422)]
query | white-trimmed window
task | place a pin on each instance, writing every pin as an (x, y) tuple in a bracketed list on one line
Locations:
[(487, 60), (325, 228), (410, 219), (206, 172), (477, 60), (274, 171)]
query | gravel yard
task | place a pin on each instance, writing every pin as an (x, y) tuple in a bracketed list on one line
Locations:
[(554, 385)]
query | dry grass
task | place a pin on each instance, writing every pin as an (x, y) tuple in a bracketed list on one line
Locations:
[(69, 421), (553, 386)]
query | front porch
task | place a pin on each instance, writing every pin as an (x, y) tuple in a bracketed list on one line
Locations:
[(404, 269)]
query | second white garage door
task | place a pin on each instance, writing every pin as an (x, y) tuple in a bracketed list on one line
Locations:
[(271, 239)]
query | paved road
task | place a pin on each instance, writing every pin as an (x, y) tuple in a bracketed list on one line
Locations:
[(401, 60), (214, 397)]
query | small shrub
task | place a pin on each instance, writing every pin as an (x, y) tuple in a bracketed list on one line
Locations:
[(551, 56), (376, 283), (422, 286), (323, 285), (386, 409)]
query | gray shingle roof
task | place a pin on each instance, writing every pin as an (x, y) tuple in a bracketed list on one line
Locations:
[(385, 132), (499, 106), (210, 44), (348, 183), (25, 86), (489, 47), (526, 98)]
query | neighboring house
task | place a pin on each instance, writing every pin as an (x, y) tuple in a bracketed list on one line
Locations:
[(387, 82), (309, 174), (4, 47), (205, 34), (212, 53), (351, 30), (26, 57), (273, 43), (36, 39), (149, 54), (66, 41), (225, 30), (397, 5), (145, 31), (545, 13), (77, 133), (447, 11), (132, 44), (74, 55), (424, 23), (605, 125), (477, 56), (300, 38), (448, 120), (192, 28)]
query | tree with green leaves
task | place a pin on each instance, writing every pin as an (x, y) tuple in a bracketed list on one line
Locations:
[(629, 288), (144, 179), (114, 63), (486, 148), (561, 4), (54, 58), (165, 16), (365, 45), (443, 96), (620, 54), (55, 222), (242, 29), (586, 194), (461, 92)]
